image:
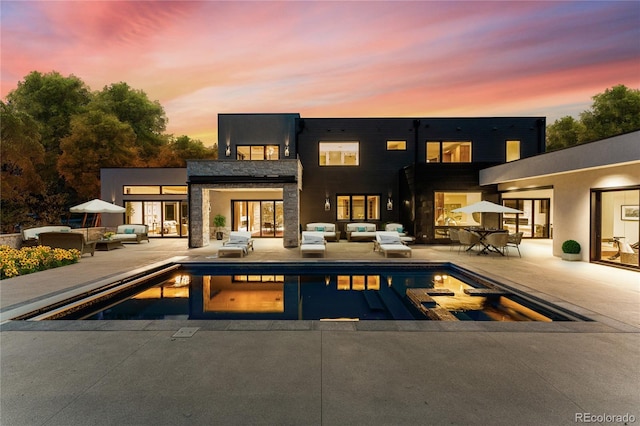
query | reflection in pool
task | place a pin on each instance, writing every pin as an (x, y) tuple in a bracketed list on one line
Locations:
[(433, 294)]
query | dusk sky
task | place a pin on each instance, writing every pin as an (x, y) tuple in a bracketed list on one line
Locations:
[(331, 59)]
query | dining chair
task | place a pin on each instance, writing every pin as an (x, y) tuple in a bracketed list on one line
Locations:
[(455, 238), (515, 240), (498, 241)]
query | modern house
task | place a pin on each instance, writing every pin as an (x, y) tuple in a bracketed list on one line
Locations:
[(277, 172)]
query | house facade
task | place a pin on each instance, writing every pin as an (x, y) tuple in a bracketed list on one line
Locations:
[(277, 172)]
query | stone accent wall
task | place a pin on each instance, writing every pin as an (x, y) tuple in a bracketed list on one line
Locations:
[(199, 232)]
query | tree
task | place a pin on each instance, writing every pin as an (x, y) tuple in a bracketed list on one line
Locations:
[(147, 119), (613, 112), (97, 140), (20, 153), (179, 150), (563, 132), (51, 100)]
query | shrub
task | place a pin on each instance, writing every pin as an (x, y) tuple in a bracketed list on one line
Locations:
[(14, 262), (571, 247)]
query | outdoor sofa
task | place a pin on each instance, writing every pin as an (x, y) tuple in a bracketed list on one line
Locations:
[(328, 229), (30, 236), (67, 240), (131, 233), (361, 231)]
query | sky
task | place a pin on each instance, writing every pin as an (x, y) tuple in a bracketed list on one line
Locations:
[(331, 58)]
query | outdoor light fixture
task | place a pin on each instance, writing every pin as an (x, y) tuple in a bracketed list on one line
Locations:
[(227, 151), (286, 148), (389, 204), (327, 204)]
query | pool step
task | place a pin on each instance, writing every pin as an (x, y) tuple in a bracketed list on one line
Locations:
[(373, 300), (393, 304), (485, 292)]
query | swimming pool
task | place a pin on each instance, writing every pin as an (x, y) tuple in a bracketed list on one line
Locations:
[(349, 291)]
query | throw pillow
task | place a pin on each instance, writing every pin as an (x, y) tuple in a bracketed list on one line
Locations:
[(400, 229), (320, 228), (361, 229), (129, 231)]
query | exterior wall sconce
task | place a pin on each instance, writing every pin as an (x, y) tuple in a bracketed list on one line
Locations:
[(327, 204), (286, 150), (227, 151), (389, 204)]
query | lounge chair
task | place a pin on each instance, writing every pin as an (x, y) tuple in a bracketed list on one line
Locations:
[(131, 233), (239, 243), (313, 242), (389, 242), (406, 238), (67, 240)]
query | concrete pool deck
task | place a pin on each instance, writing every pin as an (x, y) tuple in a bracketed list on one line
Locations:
[(325, 373)]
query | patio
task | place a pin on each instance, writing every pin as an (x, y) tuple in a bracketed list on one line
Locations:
[(301, 372)]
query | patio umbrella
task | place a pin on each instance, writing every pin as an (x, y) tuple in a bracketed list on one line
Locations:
[(486, 207), (98, 207)]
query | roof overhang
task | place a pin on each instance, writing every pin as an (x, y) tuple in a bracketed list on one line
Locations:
[(611, 152)]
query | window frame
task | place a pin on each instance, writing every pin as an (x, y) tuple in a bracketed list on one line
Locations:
[(506, 150), (264, 147), (368, 198), (441, 150), (400, 142), (321, 151)]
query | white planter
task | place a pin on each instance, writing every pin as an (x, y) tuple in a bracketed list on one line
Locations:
[(571, 256)]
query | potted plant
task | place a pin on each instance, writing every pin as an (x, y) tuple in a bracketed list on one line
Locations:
[(571, 250), (219, 221)]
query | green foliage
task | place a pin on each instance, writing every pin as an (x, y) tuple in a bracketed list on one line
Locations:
[(97, 139), (571, 247), (613, 112), (179, 150), (219, 221), (147, 119)]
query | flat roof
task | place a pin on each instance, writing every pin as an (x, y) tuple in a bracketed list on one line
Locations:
[(615, 151)]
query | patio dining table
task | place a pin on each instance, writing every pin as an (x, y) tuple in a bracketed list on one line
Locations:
[(483, 233)]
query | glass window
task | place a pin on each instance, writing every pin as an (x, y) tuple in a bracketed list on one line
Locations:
[(169, 190), (456, 152), (141, 190), (396, 145), (258, 152), (513, 150), (358, 207), (616, 240), (446, 202), (448, 152), (339, 153), (433, 152)]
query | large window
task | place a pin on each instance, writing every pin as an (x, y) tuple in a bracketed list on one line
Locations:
[(263, 218), (513, 150), (358, 207), (258, 152), (447, 202), (448, 152), (164, 218), (533, 222), (339, 153), (616, 231)]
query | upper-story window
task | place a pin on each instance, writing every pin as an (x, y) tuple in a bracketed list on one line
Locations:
[(358, 207), (154, 189), (339, 153), (513, 150), (448, 152), (396, 145), (258, 152)]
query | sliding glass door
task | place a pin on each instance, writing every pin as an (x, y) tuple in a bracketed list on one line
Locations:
[(533, 222), (263, 218)]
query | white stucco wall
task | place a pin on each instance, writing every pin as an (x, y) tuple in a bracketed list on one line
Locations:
[(572, 197)]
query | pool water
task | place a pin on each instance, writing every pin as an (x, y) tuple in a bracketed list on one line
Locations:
[(345, 294)]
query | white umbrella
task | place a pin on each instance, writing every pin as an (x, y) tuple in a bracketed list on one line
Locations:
[(96, 206), (486, 207)]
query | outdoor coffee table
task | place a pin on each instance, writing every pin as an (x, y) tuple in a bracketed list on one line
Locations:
[(106, 245)]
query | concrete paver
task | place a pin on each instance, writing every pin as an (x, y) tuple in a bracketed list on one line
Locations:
[(313, 373)]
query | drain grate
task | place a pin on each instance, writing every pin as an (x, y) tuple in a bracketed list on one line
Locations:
[(186, 332)]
